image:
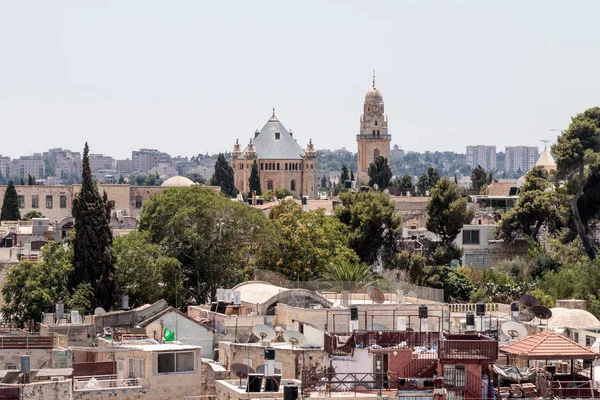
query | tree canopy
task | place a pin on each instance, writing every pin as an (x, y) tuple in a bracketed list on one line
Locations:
[(344, 175), (215, 239), (373, 225), (223, 177), (255, 179), (92, 255), (10, 204), (478, 178), (447, 211), (379, 173)]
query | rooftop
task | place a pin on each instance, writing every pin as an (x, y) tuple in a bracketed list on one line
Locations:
[(549, 345)]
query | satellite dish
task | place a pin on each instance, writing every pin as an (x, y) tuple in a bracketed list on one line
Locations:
[(526, 316), (99, 311), (513, 330), (376, 294), (261, 369), (263, 332), (529, 301), (378, 327), (295, 338), (541, 312), (154, 331), (241, 370)]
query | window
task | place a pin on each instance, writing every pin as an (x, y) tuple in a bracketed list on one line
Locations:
[(293, 185), (470, 237), (270, 185), (63, 201), (277, 135), (589, 340), (376, 153), (576, 337), (49, 201), (262, 166), (111, 204), (138, 201), (375, 123), (455, 376), (286, 166), (175, 362), (21, 199), (35, 201), (135, 368)]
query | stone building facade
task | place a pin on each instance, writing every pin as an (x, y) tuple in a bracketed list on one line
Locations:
[(374, 139), (282, 163)]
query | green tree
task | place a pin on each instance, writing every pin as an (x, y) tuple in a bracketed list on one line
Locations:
[(32, 214), (351, 174), (33, 288), (145, 273), (447, 211), (344, 175), (380, 173), (538, 204), (478, 178), (121, 180), (196, 178), (30, 180), (10, 204), (92, 256), (405, 184), (309, 242), (255, 179), (433, 176), (282, 193), (577, 152), (373, 225), (323, 181), (350, 275), (223, 177), (215, 239), (423, 184)]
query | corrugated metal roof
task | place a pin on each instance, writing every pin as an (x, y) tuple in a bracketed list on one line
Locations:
[(268, 147), (549, 345)]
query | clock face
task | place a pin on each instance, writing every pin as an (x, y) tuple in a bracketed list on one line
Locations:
[(376, 109)]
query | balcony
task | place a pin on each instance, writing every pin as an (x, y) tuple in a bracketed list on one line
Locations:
[(374, 137), (478, 349)]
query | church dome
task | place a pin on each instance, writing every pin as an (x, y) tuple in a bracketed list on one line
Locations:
[(373, 95), (177, 181)]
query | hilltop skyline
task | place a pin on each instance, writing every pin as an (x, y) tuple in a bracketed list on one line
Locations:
[(186, 78)]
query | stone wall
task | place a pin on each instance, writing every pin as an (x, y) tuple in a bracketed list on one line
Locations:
[(50, 390), (37, 357), (77, 334)]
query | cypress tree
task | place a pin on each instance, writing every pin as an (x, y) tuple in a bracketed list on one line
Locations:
[(351, 174), (223, 177), (30, 180), (255, 179), (10, 204), (344, 175), (92, 256)]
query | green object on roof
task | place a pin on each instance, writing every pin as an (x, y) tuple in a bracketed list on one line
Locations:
[(168, 336)]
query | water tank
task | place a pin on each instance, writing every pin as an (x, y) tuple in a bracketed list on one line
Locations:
[(423, 313), (25, 364), (480, 308), (75, 317), (125, 302), (290, 391), (60, 310), (470, 319), (269, 353), (354, 313)]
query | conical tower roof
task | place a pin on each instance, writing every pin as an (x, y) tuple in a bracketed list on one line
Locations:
[(546, 160)]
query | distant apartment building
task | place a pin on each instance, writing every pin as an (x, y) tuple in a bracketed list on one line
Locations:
[(124, 166), (100, 162), (5, 165), (28, 165), (520, 158), (63, 163), (182, 165), (145, 159), (396, 154), (485, 156)]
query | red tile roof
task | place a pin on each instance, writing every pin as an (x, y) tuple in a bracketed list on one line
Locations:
[(500, 188), (549, 345)]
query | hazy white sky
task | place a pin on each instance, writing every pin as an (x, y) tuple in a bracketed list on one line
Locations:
[(190, 77)]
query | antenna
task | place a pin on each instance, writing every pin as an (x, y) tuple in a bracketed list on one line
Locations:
[(545, 141), (264, 332), (295, 338)]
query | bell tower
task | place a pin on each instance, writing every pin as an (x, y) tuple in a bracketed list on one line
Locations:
[(374, 139)]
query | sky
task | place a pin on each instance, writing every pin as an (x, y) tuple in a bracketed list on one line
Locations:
[(189, 77)]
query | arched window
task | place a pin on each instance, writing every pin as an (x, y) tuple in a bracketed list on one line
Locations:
[(376, 154), (375, 123), (373, 132), (377, 132), (270, 185), (293, 185)]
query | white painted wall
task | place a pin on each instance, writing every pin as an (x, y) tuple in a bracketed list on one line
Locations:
[(189, 332), (360, 363)]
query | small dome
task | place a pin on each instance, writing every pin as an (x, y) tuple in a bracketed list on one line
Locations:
[(177, 181), (373, 95), (572, 318)]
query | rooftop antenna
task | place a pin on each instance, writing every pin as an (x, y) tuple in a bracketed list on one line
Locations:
[(373, 79), (545, 141), (273, 111)]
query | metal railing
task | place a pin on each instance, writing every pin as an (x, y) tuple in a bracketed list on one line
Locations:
[(345, 343), (100, 382), (26, 342), (468, 348)]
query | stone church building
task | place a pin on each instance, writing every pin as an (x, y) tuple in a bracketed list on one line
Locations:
[(282, 162), (374, 139)]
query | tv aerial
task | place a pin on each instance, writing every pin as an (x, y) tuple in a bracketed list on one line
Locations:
[(263, 332), (295, 338), (513, 330), (241, 370)]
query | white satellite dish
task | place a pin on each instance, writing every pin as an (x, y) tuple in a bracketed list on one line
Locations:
[(513, 330), (263, 332), (295, 338), (99, 311), (378, 327), (154, 331)]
